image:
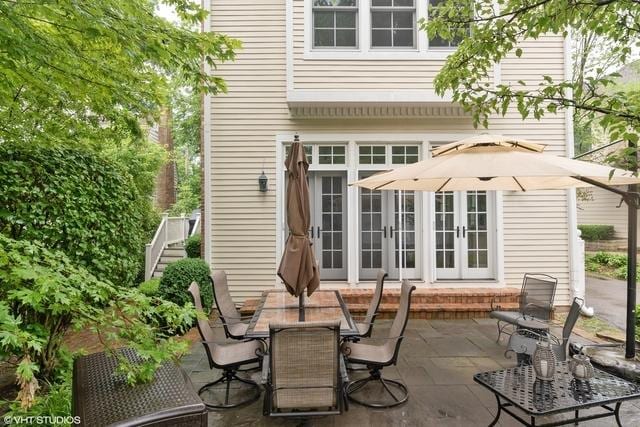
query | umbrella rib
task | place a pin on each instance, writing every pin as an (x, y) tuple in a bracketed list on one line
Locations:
[(382, 185), (442, 186), (518, 182)]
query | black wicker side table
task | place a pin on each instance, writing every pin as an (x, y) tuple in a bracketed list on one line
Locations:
[(517, 387), (102, 398)]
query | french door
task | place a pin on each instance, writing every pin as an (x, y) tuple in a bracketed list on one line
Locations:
[(387, 238), (465, 234), (328, 200)]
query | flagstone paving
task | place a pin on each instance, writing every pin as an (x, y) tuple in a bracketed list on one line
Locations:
[(438, 359)]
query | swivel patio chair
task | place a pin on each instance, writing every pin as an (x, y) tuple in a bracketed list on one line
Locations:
[(376, 356), (536, 301), (235, 325), (227, 356), (366, 326), (304, 373), (523, 341)]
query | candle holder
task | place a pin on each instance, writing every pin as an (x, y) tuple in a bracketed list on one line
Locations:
[(544, 361), (581, 368)]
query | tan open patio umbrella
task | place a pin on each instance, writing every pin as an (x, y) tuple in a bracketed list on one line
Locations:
[(298, 269), (496, 162)]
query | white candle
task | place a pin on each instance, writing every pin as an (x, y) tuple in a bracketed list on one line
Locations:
[(580, 371), (543, 368)]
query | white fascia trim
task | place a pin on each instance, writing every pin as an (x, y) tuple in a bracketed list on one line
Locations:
[(381, 54), (206, 215), (419, 97)]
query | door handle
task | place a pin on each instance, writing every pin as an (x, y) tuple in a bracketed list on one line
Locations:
[(318, 232), (312, 232), (457, 231), (384, 231), (391, 231), (464, 231)]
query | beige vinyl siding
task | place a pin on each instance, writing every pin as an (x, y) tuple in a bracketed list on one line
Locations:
[(246, 120), (604, 208)]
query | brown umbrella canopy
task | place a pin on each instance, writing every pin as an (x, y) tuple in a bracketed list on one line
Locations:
[(298, 269)]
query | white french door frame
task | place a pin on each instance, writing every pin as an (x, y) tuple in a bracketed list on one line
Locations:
[(427, 231)]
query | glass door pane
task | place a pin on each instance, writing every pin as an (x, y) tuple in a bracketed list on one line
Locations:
[(447, 232), (404, 225), (478, 235), (373, 233), (329, 221)]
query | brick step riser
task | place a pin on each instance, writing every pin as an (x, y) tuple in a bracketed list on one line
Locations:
[(436, 299)]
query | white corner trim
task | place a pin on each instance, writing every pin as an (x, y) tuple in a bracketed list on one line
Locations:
[(499, 237), (280, 200), (206, 214)]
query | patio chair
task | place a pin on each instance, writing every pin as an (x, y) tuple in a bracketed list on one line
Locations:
[(376, 356), (227, 356), (366, 326), (235, 325), (523, 341), (304, 373), (536, 300)]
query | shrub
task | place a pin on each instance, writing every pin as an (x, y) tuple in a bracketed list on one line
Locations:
[(150, 287), (192, 246), (177, 278), (592, 232), (78, 201), (43, 295)]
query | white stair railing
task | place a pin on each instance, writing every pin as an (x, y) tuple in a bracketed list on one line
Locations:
[(196, 226), (171, 230)]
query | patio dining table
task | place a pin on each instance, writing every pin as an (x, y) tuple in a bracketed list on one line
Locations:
[(282, 307)]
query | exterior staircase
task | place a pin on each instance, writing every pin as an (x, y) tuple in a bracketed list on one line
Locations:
[(170, 254)]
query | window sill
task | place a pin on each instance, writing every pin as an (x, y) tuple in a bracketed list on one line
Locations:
[(378, 54)]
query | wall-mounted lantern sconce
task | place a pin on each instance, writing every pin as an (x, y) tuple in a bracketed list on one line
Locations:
[(262, 183)]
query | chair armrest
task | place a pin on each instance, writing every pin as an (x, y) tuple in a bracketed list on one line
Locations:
[(540, 306), (343, 371), (527, 333), (264, 378)]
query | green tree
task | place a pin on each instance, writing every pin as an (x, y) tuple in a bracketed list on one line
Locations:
[(73, 70), (498, 31)]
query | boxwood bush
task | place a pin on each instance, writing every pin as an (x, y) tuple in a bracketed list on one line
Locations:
[(150, 287), (177, 277), (592, 232), (192, 246)]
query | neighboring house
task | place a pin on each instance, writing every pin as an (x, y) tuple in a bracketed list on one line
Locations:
[(355, 81), (605, 208)]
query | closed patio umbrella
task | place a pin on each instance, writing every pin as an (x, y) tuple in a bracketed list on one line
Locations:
[(496, 162), (298, 269)]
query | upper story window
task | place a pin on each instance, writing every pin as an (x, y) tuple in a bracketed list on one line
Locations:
[(331, 155), (393, 23), (335, 23)]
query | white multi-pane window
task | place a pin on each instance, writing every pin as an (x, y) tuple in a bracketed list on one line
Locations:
[(372, 154), (331, 155), (393, 23), (335, 23)]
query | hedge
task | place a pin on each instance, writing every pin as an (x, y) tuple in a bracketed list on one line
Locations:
[(178, 276), (192, 246), (592, 232)]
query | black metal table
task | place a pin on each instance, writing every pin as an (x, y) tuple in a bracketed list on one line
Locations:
[(517, 387), (281, 307)]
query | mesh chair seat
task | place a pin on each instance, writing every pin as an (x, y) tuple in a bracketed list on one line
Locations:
[(234, 353), (371, 353), (506, 316)]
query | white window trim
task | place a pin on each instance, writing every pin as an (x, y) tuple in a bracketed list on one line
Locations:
[(352, 141), (364, 51)]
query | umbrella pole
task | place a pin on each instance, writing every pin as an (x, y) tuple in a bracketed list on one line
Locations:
[(301, 307)]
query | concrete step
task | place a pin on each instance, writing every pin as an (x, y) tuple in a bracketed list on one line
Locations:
[(174, 252), (157, 274), (169, 259), (161, 266)]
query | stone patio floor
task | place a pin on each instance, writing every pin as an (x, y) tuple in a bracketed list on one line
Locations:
[(437, 361)]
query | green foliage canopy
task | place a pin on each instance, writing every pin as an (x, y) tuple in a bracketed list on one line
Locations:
[(497, 29), (87, 69), (79, 201)]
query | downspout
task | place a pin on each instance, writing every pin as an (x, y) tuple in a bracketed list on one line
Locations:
[(576, 244)]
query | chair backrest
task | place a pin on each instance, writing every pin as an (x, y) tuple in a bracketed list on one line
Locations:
[(375, 301), (400, 321), (205, 330), (572, 318), (227, 310), (538, 291), (305, 365)]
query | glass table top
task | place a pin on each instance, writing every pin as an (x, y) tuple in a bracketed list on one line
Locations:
[(281, 307)]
